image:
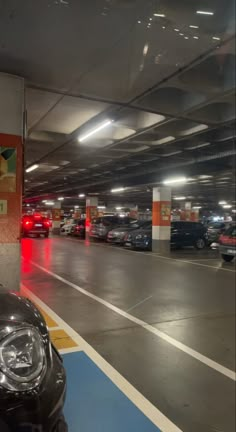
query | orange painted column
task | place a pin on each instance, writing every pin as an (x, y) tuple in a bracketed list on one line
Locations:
[(11, 175), (91, 212), (161, 219)]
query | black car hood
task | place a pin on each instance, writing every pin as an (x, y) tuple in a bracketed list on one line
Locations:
[(125, 228), (142, 232), (15, 309)]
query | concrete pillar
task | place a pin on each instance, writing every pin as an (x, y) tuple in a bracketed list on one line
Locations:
[(11, 163), (161, 215), (186, 211), (91, 212), (56, 217)]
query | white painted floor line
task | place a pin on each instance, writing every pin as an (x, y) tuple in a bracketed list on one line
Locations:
[(69, 350), (53, 328), (139, 303), (143, 404), (195, 354)]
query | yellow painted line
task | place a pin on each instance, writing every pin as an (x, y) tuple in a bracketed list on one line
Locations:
[(61, 339)]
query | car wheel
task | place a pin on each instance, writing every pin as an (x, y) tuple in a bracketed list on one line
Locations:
[(46, 235), (227, 258), (200, 243)]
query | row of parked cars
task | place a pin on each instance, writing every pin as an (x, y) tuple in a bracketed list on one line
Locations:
[(137, 234)]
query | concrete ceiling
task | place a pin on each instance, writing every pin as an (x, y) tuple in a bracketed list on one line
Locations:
[(168, 84)]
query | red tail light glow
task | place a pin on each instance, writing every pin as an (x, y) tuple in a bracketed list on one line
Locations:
[(27, 224)]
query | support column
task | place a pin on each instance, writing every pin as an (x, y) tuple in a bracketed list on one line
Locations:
[(161, 213), (56, 218), (91, 212), (186, 211), (11, 164)]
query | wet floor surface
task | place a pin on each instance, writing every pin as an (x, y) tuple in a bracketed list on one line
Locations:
[(188, 296)]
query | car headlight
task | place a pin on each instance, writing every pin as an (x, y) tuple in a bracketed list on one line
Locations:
[(22, 359)]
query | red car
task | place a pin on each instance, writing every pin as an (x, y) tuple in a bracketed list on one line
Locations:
[(35, 224), (227, 243)]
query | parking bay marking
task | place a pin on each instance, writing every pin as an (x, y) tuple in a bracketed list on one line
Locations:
[(179, 345), (143, 404)]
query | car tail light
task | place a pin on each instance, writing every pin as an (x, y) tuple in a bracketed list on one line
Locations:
[(28, 224), (221, 238), (46, 224)]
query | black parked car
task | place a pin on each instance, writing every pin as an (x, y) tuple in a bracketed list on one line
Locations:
[(32, 377), (78, 230), (101, 226), (118, 235), (182, 234)]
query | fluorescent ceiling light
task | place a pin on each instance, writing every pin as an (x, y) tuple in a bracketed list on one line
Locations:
[(81, 195), (159, 15), (181, 34), (234, 211), (139, 22), (101, 207), (197, 207), (222, 202), (186, 37), (76, 207), (205, 176), (172, 153), (94, 131), (121, 189), (175, 180), (32, 168), (216, 38), (49, 203), (200, 12), (198, 146), (194, 129), (165, 140), (60, 199), (145, 49), (176, 30), (119, 208), (195, 37), (194, 26), (180, 198), (227, 206)]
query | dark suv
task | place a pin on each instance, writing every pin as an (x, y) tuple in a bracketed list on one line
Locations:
[(182, 234), (101, 226), (35, 225), (185, 233)]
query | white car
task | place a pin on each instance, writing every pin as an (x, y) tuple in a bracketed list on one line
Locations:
[(66, 229)]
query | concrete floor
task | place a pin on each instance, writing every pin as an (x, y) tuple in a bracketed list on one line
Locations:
[(189, 296)]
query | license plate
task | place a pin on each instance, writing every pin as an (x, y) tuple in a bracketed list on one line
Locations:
[(38, 225), (232, 251)]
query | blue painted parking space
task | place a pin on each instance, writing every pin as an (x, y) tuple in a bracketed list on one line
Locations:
[(95, 404)]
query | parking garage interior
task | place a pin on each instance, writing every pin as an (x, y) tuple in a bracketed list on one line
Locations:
[(118, 208)]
